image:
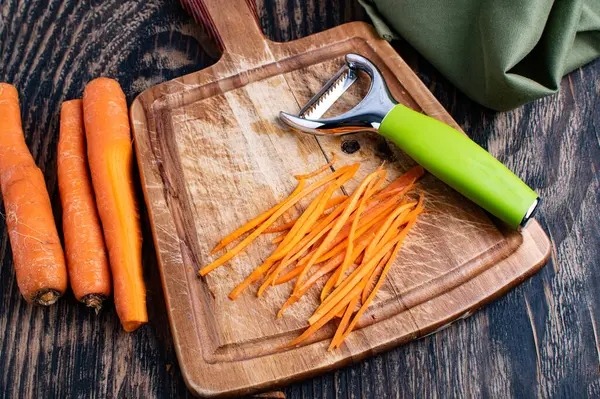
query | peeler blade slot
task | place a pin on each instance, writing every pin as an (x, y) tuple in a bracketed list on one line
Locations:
[(335, 87)]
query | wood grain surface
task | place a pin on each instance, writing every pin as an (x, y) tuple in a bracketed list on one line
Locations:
[(539, 340), (212, 153)]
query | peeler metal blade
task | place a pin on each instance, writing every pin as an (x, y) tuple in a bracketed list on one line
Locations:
[(333, 89)]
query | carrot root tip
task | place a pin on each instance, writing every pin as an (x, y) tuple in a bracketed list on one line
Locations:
[(46, 297), (94, 301)]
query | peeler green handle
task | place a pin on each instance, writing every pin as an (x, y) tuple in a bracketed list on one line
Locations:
[(459, 162), (443, 151)]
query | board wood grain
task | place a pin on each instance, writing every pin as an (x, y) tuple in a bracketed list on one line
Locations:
[(540, 339), (212, 154)]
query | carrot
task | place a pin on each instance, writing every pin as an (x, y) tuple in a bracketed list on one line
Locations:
[(38, 256), (330, 283), (257, 220), (400, 220), (337, 226), (403, 209), (110, 158), (238, 248), (340, 242), (318, 171), (353, 228), (292, 247), (383, 194), (279, 238), (357, 275), (306, 221), (89, 273), (373, 208), (325, 318), (407, 178), (380, 281), (313, 211), (286, 226), (371, 217), (285, 249), (339, 332), (376, 272), (326, 268), (281, 227), (288, 276)]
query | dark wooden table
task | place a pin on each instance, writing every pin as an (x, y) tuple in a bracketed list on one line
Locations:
[(540, 340)]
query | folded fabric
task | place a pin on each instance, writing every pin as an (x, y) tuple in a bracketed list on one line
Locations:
[(501, 53)]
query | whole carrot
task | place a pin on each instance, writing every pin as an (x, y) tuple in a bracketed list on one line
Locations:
[(110, 158), (38, 256), (89, 273)]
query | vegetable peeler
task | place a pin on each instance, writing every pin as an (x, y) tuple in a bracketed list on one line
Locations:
[(443, 151)]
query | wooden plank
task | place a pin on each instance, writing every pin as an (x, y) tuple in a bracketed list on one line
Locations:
[(538, 339)]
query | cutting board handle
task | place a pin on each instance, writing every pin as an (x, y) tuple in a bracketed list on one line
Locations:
[(233, 24)]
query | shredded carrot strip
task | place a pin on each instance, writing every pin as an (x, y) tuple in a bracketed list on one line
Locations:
[(339, 333), (291, 248), (257, 220), (380, 281), (319, 230), (288, 276), (318, 171), (287, 242), (401, 221), (285, 249), (403, 209), (353, 227), (399, 192), (330, 283), (326, 268), (304, 226), (350, 282), (279, 238), (360, 258), (238, 248), (340, 243), (407, 178), (338, 273), (337, 226), (312, 212), (323, 320), (281, 227), (286, 226), (373, 276)]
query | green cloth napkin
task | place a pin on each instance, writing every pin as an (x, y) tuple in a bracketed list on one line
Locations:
[(501, 53)]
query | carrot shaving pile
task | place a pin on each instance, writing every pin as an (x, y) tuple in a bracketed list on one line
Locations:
[(352, 240)]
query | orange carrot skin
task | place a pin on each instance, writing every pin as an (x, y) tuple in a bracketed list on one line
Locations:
[(110, 158), (89, 273), (38, 256)]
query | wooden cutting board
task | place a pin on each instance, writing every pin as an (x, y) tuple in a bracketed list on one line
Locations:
[(212, 154)]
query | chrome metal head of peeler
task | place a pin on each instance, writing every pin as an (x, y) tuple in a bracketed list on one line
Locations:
[(365, 116)]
